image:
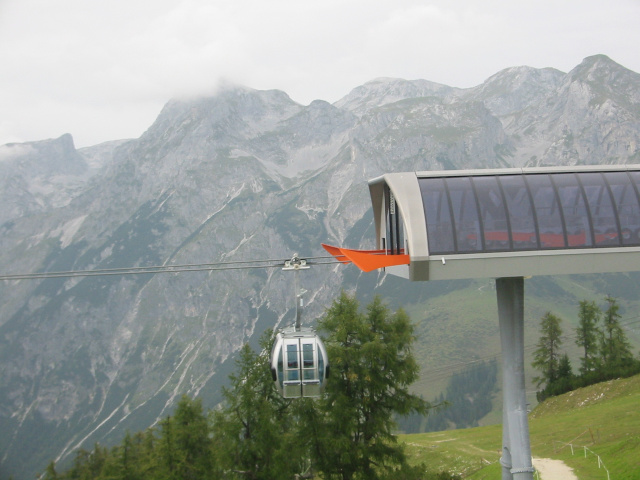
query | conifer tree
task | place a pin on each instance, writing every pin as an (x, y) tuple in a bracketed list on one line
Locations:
[(564, 368), (88, 464), (614, 347), (167, 462), (564, 382), (147, 456), (546, 357), (192, 442), (587, 334), (372, 366), (50, 473), (253, 433), (126, 460)]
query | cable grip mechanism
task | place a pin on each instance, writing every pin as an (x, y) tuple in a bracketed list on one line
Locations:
[(296, 264)]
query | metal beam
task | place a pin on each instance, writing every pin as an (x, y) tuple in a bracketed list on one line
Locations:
[(516, 448)]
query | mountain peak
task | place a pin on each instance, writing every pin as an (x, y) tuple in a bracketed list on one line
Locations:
[(597, 66), (514, 88), (598, 60), (51, 156), (385, 90), (231, 109), (518, 76), (608, 80)]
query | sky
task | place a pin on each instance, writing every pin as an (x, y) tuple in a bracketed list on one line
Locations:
[(103, 69)]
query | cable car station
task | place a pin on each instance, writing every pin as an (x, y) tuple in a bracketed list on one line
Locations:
[(505, 224)]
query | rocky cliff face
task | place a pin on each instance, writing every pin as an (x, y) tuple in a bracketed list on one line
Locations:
[(244, 175)]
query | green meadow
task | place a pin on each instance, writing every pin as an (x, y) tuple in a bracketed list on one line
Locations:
[(593, 430)]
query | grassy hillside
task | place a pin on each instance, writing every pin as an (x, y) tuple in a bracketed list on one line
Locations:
[(605, 418), (457, 322)]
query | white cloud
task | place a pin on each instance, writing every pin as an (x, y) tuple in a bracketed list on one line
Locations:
[(11, 151), (103, 70)]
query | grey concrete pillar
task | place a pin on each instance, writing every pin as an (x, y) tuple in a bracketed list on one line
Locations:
[(516, 448)]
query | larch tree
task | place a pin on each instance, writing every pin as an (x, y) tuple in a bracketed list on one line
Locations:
[(546, 357), (192, 441), (254, 433), (587, 334), (614, 347), (372, 367)]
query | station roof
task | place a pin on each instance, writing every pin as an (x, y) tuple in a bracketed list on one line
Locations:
[(509, 222)]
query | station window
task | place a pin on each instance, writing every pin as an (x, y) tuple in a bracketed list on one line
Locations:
[(522, 220), (624, 188), (604, 220), (574, 210), (531, 211), (438, 215), (547, 209), (495, 223), (465, 214)]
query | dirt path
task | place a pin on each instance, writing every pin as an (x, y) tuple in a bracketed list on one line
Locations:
[(550, 469)]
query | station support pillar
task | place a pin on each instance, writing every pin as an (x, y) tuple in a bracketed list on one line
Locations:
[(516, 447)]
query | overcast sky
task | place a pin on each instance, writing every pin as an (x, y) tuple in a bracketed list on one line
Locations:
[(102, 69)]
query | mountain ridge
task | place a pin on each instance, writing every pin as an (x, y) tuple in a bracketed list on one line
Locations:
[(241, 175)]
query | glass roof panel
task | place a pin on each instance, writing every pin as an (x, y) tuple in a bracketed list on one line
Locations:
[(492, 213), (552, 234), (438, 215), (521, 215), (603, 214), (626, 204), (465, 214), (574, 210), (531, 211)]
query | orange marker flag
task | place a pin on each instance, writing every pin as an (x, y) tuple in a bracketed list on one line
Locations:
[(367, 260)]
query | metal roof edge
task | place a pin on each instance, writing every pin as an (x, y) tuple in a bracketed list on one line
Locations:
[(526, 170)]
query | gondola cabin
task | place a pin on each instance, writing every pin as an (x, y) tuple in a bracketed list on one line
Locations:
[(299, 363)]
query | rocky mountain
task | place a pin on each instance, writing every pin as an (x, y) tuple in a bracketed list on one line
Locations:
[(242, 175)]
